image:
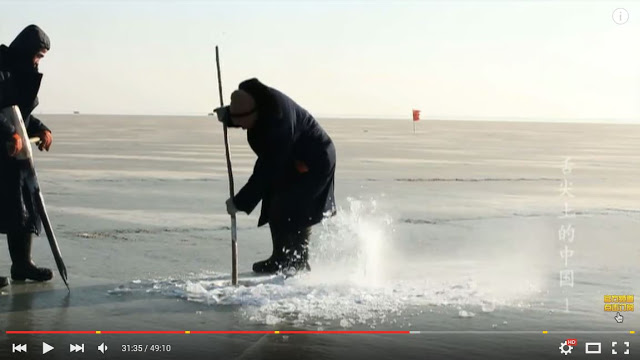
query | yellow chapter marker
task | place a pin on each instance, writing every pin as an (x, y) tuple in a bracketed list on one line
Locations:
[(98, 332), (545, 332), (187, 332)]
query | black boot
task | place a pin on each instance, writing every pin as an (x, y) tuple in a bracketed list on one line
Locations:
[(274, 263), (3, 281), (23, 267), (297, 251)]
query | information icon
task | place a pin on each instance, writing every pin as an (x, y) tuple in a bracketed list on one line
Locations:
[(620, 16)]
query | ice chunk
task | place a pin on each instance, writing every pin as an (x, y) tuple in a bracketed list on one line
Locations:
[(195, 288), (488, 307), (119, 290), (272, 320)]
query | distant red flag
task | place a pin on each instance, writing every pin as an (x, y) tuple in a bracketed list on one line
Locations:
[(416, 115)]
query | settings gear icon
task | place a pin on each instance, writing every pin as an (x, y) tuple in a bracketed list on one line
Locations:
[(565, 351)]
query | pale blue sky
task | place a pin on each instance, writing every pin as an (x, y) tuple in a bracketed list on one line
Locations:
[(451, 59)]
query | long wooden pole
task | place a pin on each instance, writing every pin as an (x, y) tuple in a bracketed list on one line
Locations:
[(234, 233)]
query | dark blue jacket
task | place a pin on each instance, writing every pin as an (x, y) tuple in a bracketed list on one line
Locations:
[(19, 85), (285, 137)]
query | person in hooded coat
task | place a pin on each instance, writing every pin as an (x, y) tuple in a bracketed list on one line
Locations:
[(19, 85), (293, 175)]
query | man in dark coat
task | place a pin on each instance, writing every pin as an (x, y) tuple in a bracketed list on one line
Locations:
[(293, 175), (19, 85)]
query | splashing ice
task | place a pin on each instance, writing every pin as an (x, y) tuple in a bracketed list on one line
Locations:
[(355, 280), (350, 248)]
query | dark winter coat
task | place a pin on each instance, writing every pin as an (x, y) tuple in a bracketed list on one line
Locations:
[(286, 134), (19, 85)]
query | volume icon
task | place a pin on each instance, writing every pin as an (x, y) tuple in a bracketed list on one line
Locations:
[(102, 348), (76, 348)]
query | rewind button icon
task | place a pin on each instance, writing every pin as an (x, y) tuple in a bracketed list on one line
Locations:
[(18, 348)]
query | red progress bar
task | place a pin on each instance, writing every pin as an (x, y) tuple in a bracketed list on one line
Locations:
[(209, 332)]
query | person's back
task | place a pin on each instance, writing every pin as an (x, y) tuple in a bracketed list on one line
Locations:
[(311, 143)]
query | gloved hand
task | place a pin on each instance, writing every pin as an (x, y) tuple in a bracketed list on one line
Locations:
[(45, 140), (14, 146), (231, 207), (301, 167), (223, 114)]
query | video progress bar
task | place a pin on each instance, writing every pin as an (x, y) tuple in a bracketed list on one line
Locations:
[(293, 332)]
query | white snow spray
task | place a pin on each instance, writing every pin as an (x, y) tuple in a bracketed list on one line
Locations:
[(352, 246)]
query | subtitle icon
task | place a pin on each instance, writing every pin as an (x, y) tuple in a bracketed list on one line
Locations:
[(619, 318)]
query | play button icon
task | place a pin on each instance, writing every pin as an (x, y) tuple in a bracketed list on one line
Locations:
[(46, 348)]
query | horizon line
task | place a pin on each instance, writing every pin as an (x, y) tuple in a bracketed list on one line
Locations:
[(389, 118)]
